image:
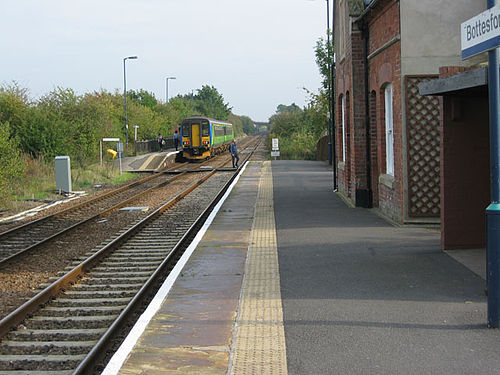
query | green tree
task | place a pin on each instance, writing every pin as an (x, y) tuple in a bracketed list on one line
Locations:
[(324, 60), (12, 165), (282, 108), (143, 97), (14, 108), (248, 127), (209, 102)]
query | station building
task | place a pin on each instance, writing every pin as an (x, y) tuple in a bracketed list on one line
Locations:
[(387, 134)]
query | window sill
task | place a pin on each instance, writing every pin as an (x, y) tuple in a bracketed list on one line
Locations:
[(386, 180)]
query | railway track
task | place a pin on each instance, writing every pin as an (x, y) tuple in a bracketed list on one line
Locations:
[(70, 332), (27, 237)]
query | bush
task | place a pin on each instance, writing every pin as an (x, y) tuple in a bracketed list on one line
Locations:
[(12, 166)]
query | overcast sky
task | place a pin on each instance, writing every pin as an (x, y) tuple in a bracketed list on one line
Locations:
[(257, 53)]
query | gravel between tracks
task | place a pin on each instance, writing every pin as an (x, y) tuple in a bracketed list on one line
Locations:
[(21, 280)]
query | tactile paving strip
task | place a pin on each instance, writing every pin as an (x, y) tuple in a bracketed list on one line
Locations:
[(259, 345)]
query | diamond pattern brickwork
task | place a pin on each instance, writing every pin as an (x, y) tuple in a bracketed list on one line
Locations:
[(422, 113)]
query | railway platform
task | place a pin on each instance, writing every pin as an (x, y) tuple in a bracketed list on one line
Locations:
[(148, 162), (287, 278)]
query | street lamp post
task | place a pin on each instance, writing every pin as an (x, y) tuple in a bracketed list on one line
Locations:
[(332, 102), (166, 88), (329, 84), (125, 95)]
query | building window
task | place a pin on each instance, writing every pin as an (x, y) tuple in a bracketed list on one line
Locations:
[(389, 132), (343, 128)]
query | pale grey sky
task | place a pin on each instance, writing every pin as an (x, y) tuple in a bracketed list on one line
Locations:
[(257, 53)]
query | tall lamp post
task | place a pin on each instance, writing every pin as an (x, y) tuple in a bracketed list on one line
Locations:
[(331, 110), (332, 102), (125, 94), (329, 84), (166, 88)]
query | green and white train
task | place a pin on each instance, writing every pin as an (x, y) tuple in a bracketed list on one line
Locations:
[(203, 137)]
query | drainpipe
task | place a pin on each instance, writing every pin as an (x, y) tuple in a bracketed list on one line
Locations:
[(332, 104), (364, 197), (369, 203)]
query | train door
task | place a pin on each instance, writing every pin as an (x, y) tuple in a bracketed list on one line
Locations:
[(195, 135)]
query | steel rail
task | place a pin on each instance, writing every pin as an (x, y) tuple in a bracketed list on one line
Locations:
[(32, 247)]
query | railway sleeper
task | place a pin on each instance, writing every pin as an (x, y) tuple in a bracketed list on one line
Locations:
[(133, 258), (120, 275), (62, 302), (45, 347), (130, 268), (40, 362), (82, 310), (109, 286), (126, 263), (112, 279), (35, 372), (56, 334), (71, 322), (148, 246), (83, 294)]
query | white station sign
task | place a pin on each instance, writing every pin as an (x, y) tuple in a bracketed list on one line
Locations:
[(481, 33), (275, 144)]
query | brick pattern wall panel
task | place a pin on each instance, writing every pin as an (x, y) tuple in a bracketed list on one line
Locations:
[(422, 113)]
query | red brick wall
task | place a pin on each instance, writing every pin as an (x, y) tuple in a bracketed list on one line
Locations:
[(448, 71), (385, 68), (344, 89), (350, 85)]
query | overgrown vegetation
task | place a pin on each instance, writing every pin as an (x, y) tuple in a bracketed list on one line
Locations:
[(61, 122), (300, 129)]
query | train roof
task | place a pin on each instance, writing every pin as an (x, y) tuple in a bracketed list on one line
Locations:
[(207, 118)]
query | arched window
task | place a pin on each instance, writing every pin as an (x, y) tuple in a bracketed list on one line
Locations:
[(343, 114), (389, 131)]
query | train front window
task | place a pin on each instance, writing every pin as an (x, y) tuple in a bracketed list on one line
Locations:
[(205, 129), (186, 130)]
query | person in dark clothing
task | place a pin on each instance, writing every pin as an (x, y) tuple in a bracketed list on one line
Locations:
[(176, 140), (233, 149), (160, 142)]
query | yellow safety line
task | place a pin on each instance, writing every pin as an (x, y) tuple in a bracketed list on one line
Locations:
[(259, 345)]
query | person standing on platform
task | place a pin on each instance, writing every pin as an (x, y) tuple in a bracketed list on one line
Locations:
[(176, 140), (233, 149), (160, 142)]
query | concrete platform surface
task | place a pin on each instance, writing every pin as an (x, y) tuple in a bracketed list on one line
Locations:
[(363, 297)]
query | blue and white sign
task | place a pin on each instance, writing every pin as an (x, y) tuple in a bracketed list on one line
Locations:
[(481, 33)]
